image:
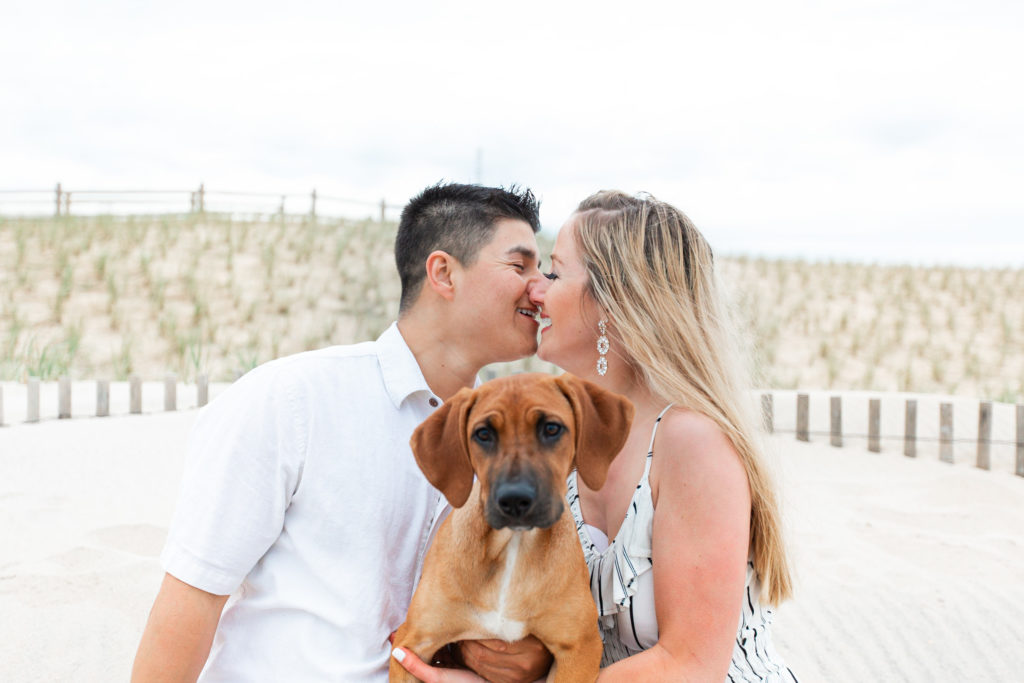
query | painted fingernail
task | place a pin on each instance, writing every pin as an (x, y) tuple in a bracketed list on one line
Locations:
[(398, 654)]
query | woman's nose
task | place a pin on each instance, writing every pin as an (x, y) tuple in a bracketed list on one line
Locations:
[(537, 289)]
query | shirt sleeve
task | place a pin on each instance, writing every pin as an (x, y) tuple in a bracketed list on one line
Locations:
[(244, 464)]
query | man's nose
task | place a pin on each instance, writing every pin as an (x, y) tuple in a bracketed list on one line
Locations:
[(536, 290)]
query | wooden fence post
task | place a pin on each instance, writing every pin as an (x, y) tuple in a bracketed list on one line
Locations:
[(202, 390), (768, 412), (64, 398), (312, 205), (59, 199), (32, 398), (1020, 439), (874, 425), (383, 210), (102, 398), (946, 432), (67, 202), (280, 209), (984, 435), (135, 395), (910, 430), (201, 198), (171, 392), (802, 417), (836, 410)]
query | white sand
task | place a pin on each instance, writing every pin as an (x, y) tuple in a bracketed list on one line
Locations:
[(907, 569)]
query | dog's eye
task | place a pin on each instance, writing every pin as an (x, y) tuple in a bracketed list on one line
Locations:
[(551, 429), (483, 435)]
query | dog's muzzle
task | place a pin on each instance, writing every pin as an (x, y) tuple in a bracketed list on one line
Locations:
[(518, 504)]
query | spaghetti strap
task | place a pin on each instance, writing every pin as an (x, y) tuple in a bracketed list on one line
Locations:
[(650, 449)]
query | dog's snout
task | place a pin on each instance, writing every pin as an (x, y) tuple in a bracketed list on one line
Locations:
[(516, 498)]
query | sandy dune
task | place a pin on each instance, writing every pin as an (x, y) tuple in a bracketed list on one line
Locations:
[(908, 570)]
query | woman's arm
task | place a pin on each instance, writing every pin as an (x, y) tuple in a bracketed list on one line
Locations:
[(700, 546), (178, 634)]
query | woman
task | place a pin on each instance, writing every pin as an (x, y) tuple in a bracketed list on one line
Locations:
[(633, 305)]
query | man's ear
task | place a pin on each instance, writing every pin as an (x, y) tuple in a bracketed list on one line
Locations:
[(602, 425), (440, 265), (441, 448)]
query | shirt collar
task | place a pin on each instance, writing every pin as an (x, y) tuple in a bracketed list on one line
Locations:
[(401, 372)]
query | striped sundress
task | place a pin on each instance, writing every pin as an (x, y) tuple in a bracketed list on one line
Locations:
[(623, 589)]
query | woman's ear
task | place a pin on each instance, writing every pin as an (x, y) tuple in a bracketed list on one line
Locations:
[(440, 265)]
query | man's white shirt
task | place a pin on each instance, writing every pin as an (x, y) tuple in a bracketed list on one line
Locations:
[(302, 500)]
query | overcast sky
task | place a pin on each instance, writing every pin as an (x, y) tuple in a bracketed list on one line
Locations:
[(886, 131)]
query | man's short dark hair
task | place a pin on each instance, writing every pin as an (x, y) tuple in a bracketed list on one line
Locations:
[(457, 219)]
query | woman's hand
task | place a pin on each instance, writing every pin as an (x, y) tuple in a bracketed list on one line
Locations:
[(428, 674), (523, 661)]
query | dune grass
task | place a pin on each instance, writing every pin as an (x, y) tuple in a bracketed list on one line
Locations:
[(111, 296)]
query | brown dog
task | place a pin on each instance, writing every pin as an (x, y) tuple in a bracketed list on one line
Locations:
[(508, 563)]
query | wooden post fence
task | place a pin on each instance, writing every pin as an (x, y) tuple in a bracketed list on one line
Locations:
[(802, 417), (984, 435), (946, 432), (135, 395), (57, 210), (312, 204), (171, 392), (836, 414), (768, 413), (103, 398), (874, 425), (32, 399), (64, 398), (910, 430), (1020, 439), (383, 210)]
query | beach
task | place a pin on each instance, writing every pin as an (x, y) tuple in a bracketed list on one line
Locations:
[(906, 569)]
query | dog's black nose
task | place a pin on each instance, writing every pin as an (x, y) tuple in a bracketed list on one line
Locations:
[(516, 498)]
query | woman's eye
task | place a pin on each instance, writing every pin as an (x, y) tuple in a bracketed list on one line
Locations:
[(551, 276)]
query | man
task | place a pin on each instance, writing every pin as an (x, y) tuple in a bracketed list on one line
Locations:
[(303, 516)]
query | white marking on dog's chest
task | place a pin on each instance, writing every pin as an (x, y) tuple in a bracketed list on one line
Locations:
[(495, 622)]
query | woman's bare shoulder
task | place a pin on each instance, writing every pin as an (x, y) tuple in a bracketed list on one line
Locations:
[(690, 448)]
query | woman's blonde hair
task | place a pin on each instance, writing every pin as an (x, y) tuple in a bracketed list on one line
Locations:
[(652, 271)]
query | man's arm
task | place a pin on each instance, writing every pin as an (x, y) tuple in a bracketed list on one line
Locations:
[(178, 635)]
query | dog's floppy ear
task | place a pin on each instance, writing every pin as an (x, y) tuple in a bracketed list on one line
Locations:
[(602, 425), (442, 451)]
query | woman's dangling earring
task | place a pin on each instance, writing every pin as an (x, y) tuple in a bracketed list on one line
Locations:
[(602, 347)]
